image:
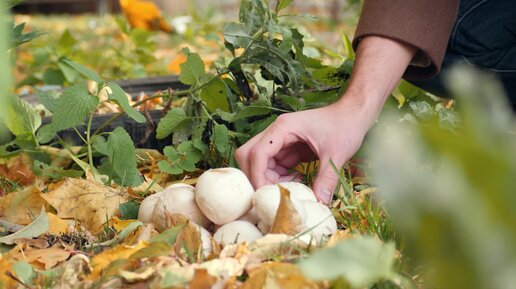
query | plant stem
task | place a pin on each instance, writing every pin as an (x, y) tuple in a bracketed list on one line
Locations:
[(88, 141)]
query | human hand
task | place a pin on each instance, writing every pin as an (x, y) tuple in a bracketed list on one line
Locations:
[(334, 132)]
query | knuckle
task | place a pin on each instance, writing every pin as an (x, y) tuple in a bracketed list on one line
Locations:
[(282, 120)]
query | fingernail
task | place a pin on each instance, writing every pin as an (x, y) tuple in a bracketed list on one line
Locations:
[(326, 196)]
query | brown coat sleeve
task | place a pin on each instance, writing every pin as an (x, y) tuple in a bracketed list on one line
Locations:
[(425, 24)]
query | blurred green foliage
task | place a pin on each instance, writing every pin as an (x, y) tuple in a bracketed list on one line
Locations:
[(5, 75), (451, 193)]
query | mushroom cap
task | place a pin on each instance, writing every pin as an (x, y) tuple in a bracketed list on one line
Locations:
[(320, 222), (178, 199), (237, 232), (146, 209), (223, 194), (300, 191), (266, 201)]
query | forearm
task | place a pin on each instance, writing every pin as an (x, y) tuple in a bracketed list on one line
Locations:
[(379, 65)]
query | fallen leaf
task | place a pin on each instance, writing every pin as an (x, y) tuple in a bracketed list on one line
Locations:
[(287, 220), (42, 258), (339, 236), (104, 259), (138, 275), (222, 267), (118, 224), (202, 280), (188, 242), (18, 170), (91, 203), (73, 272), (278, 275), (34, 229), (5, 280), (58, 226), (21, 207)]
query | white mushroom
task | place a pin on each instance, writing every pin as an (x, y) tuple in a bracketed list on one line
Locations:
[(237, 232), (300, 191), (147, 208), (320, 222), (177, 199), (266, 201), (223, 195)]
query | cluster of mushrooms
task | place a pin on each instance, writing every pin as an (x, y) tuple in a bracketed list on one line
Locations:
[(224, 202)]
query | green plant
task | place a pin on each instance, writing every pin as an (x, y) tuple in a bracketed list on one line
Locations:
[(69, 109), (268, 74)]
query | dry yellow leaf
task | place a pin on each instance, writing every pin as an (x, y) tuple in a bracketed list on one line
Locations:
[(58, 226), (41, 258), (118, 224), (202, 280), (277, 275), (6, 281), (287, 220), (102, 260), (22, 207), (88, 202)]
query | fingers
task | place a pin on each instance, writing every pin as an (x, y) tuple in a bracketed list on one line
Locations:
[(326, 180)]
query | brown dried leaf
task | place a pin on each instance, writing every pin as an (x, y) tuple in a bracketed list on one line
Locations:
[(86, 201), (22, 207), (287, 220), (188, 242), (202, 280), (42, 258), (18, 169)]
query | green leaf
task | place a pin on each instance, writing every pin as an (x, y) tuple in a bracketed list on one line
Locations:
[(237, 34), (128, 211), (119, 97), (252, 110), (220, 138), (67, 39), (154, 249), (350, 53), (174, 120), (361, 261), (215, 95), (18, 37), (71, 109), (55, 173), (39, 226), (24, 272), (282, 4), (87, 72), (192, 70), (22, 119), (181, 159), (169, 235), (119, 149), (169, 168), (69, 72), (53, 76)]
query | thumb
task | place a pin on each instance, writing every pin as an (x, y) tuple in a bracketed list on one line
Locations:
[(326, 181)]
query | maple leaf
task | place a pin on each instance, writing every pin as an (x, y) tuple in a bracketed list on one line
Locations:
[(90, 203)]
